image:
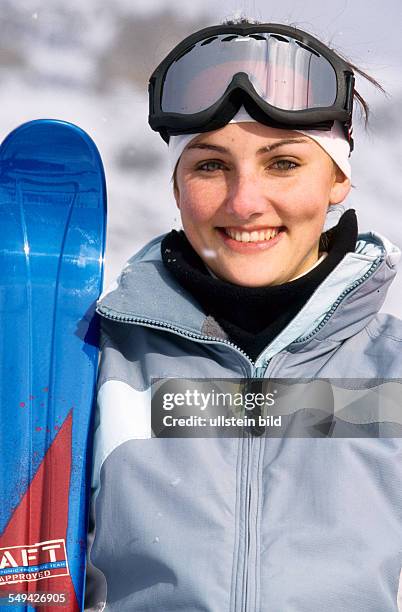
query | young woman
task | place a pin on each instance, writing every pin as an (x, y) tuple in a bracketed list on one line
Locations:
[(258, 122)]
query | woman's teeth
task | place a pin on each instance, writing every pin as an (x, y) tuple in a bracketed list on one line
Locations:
[(255, 236)]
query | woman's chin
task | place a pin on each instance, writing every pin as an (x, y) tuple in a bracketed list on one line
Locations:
[(247, 278)]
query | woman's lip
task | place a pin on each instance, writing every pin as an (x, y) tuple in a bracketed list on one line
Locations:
[(249, 247), (235, 228)]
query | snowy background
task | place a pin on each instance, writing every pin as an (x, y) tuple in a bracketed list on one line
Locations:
[(89, 62)]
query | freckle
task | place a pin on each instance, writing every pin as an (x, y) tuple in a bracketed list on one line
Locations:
[(38, 428), (45, 389), (22, 404)]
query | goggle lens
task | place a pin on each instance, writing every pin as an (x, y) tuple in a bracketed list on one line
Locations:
[(284, 72)]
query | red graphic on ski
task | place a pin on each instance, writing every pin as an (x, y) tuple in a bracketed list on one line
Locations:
[(33, 556)]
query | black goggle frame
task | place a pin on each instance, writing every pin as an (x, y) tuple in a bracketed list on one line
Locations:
[(241, 91)]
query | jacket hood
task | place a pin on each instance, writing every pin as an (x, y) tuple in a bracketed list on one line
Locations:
[(351, 295)]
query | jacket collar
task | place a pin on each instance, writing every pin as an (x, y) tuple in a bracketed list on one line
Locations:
[(342, 305)]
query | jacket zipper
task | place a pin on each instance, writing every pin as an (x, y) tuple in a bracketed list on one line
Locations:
[(253, 444), (247, 531)]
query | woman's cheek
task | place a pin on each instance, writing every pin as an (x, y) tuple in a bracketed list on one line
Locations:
[(195, 213), (308, 210), (199, 206)]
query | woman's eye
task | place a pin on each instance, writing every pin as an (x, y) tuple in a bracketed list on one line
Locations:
[(210, 166), (284, 165)]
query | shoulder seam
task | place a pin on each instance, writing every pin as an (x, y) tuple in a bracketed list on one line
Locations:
[(376, 334)]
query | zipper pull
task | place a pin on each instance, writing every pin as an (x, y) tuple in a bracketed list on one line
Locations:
[(260, 371), (257, 430)]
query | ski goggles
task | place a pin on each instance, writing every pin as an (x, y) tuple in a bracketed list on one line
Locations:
[(283, 76)]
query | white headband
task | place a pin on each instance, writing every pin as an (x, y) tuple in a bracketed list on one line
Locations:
[(332, 141)]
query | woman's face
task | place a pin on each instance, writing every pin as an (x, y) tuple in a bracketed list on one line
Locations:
[(253, 201)]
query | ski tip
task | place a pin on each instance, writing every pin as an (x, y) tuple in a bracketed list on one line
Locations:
[(53, 136)]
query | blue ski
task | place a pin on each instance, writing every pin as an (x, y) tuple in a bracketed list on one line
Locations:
[(52, 235)]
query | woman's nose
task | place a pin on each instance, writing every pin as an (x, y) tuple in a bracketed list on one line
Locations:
[(246, 196)]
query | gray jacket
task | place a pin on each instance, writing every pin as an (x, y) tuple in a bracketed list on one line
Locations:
[(247, 524)]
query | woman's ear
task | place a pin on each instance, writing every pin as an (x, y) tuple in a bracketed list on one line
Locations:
[(176, 191), (176, 194), (340, 188)]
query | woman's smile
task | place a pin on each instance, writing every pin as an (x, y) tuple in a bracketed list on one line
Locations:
[(243, 241)]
